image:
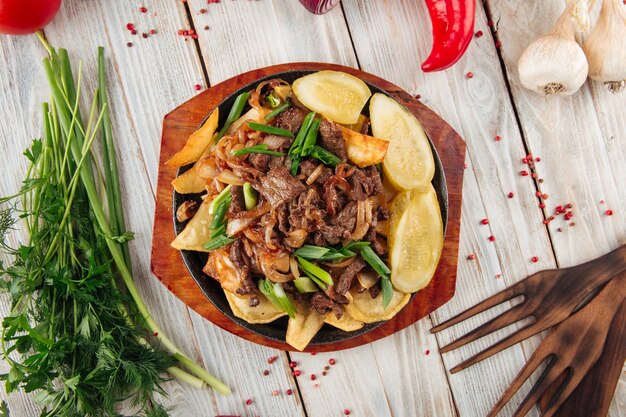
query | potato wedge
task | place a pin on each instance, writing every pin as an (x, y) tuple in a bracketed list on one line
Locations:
[(347, 323), (197, 231), (197, 143), (364, 150), (359, 123), (370, 310), (265, 312), (302, 329), (189, 182)]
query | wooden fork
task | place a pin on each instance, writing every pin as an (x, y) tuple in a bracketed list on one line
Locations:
[(549, 297), (571, 349), (592, 397)]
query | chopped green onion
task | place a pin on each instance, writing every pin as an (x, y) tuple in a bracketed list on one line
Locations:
[(338, 255), (267, 290), (356, 245), (220, 212), (375, 262), (315, 270), (311, 252), (327, 157), (220, 197), (218, 242), (295, 162), (272, 100), (311, 138), (272, 130), (278, 111), (279, 291), (304, 284), (296, 146), (316, 280), (235, 112), (386, 290), (219, 231), (277, 296), (250, 196), (262, 148)]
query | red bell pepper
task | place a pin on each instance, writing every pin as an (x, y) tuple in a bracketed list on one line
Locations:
[(453, 29)]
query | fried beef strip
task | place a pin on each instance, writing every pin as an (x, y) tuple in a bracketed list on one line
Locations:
[(331, 138), (321, 303), (291, 119), (345, 279), (279, 186)]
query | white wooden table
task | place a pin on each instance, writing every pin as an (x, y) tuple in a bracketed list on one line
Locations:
[(581, 141)]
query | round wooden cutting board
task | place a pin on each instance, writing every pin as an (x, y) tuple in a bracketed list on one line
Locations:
[(167, 264)]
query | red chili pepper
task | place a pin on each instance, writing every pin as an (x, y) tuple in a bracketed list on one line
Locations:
[(453, 29)]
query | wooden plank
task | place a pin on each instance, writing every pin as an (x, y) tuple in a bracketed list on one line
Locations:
[(479, 109), (145, 82), (580, 139), (325, 39)]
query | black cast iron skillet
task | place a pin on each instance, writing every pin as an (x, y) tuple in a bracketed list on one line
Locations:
[(195, 261)]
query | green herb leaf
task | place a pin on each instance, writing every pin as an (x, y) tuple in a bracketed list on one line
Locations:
[(126, 237), (272, 130), (262, 148)]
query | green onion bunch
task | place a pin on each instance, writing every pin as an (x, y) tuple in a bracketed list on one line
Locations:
[(78, 332)]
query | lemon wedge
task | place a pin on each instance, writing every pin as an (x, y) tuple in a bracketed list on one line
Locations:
[(409, 162), (336, 95), (416, 239)]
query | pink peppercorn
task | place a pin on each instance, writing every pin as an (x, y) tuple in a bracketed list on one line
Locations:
[(511, 195), (471, 257), (197, 87), (248, 401), (498, 44), (293, 364), (538, 194), (130, 26), (313, 377), (470, 75), (133, 32), (498, 138), (346, 412), (332, 361), (479, 34), (484, 221), (289, 392), (297, 372), (534, 259), (524, 173), (492, 238), (266, 372), (143, 9), (609, 212)]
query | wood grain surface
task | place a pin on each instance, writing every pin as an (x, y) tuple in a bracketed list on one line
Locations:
[(166, 262), (580, 139)]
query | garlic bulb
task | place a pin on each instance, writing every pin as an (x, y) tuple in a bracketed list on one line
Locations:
[(555, 63), (606, 47)]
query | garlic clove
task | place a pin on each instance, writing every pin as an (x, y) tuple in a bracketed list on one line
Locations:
[(554, 63), (605, 47)]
